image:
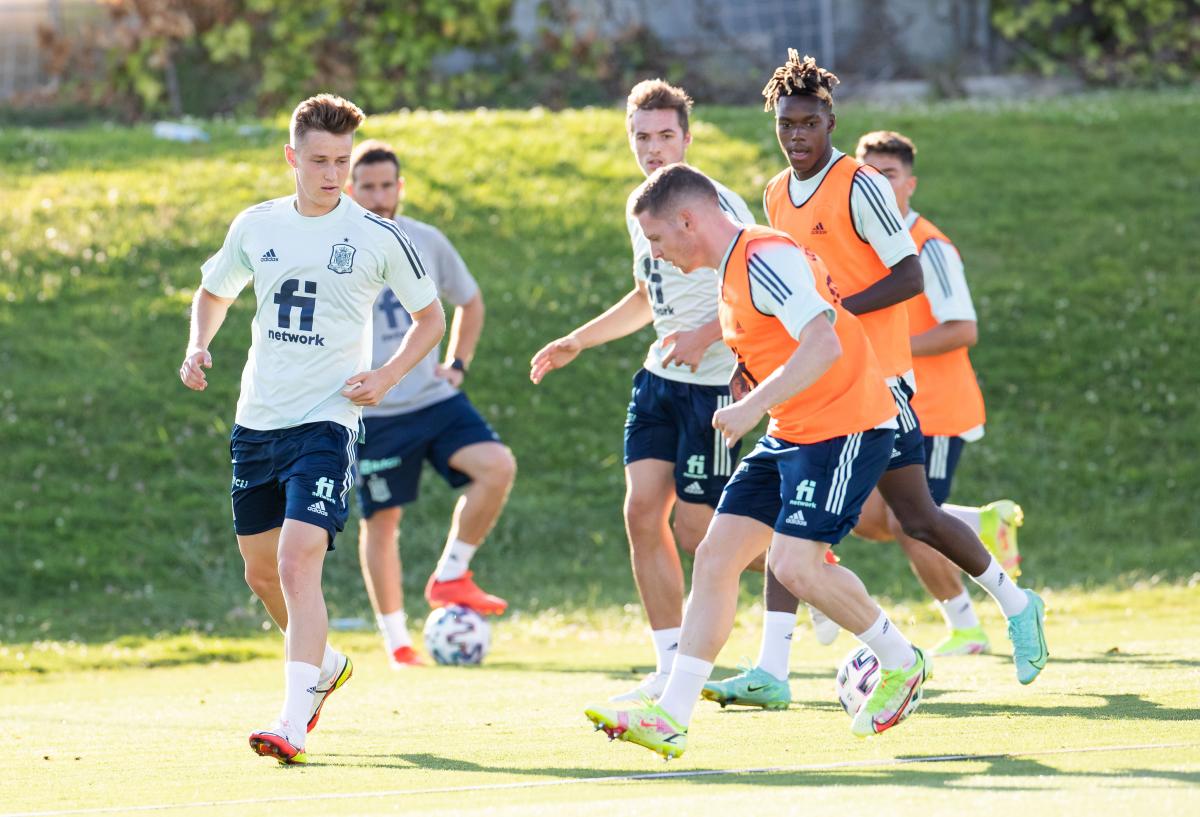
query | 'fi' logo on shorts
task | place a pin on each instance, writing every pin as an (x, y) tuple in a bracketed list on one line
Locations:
[(324, 488), (804, 493)]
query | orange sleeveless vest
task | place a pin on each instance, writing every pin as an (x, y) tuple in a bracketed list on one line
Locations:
[(850, 396), (948, 400), (824, 225)]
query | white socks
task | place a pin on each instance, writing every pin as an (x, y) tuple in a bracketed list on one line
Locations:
[(300, 680), (688, 677), (890, 647), (959, 612), (455, 561), (968, 515), (776, 646), (666, 645), (1004, 590), (394, 627)]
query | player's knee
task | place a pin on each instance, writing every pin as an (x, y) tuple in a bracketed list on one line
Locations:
[(642, 514), (262, 578), (688, 536), (918, 521), (797, 570), (297, 571), (502, 467), (712, 561)]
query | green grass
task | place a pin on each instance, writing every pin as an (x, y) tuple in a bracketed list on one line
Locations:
[(1123, 673), (1076, 219)]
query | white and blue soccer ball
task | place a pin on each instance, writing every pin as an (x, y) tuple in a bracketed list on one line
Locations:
[(857, 679), (457, 635)]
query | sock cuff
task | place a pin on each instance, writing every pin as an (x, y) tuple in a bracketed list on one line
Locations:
[(779, 618), (876, 629), (668, 632), (962, 597), (693, 666)]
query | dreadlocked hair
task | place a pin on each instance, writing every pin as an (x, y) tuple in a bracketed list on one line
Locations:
[(799, 77)]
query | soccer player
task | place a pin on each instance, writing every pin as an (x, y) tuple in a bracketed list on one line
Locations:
[(673, 458), (846, 213), (948, 403), (425, 417), (318, 262), (833, 421)]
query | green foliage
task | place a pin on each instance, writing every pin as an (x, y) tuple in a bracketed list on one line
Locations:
[(266, 54), (115, 514), (1122, 42)]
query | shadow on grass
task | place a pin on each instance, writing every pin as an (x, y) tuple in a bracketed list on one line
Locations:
[(1115, 706), (924, 771)]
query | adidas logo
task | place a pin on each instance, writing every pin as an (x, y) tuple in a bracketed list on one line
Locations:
[(819, 229), (693, 488), (318, 507), (269, 255), (797, 518)]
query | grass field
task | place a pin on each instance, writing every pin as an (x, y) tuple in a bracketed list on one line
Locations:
[(1076, 218), (1110, 727)]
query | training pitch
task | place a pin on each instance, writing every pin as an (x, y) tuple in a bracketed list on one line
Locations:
[(1111, 727)]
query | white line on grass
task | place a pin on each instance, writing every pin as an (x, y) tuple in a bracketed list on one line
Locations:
[(616, 778)]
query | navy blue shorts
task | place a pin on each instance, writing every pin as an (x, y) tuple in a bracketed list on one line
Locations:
[(304, 473), (672, 421), (812, 491), (941, 460), (909, 448), (394, 449)]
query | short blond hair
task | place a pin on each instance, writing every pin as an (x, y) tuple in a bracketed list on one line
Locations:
[(325, 112), (658, 95), (887, 143)]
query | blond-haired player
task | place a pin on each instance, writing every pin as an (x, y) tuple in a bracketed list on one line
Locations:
[(317, 262)]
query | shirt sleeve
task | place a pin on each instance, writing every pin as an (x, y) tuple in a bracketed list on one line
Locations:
[(877, 217), (405, 272), (945, 283), (781, 284), (454, 281), (229, 270), (643, 260), (733, 205)]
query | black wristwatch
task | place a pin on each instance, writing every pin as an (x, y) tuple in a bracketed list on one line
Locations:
[(459, 365)]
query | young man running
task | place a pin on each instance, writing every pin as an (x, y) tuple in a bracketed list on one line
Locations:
[(847, 214), (811, 367), (673, 458), (948, 403), (426, 417), (318, 261)]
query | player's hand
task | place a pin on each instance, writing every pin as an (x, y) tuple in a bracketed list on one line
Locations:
[(191, 371), (454, 377), (736, 420), (368, 388), (740, 383), (554, 355), (685, 348)]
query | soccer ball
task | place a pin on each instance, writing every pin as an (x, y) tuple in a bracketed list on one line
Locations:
[(457, 635), (856, 680)]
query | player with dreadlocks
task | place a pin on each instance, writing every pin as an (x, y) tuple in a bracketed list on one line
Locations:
[(846, 212)]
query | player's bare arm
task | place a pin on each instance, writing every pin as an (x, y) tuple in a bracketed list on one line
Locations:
[(625, 317), (689, 347), (818, 349), (208, 313), (465, 329), (906, 280), (368, 388), (945, 337)]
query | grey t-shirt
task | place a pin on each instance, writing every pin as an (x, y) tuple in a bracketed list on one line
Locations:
[(421, 387)]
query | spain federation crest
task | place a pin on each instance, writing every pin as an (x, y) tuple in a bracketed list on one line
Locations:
[(341, 260)]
